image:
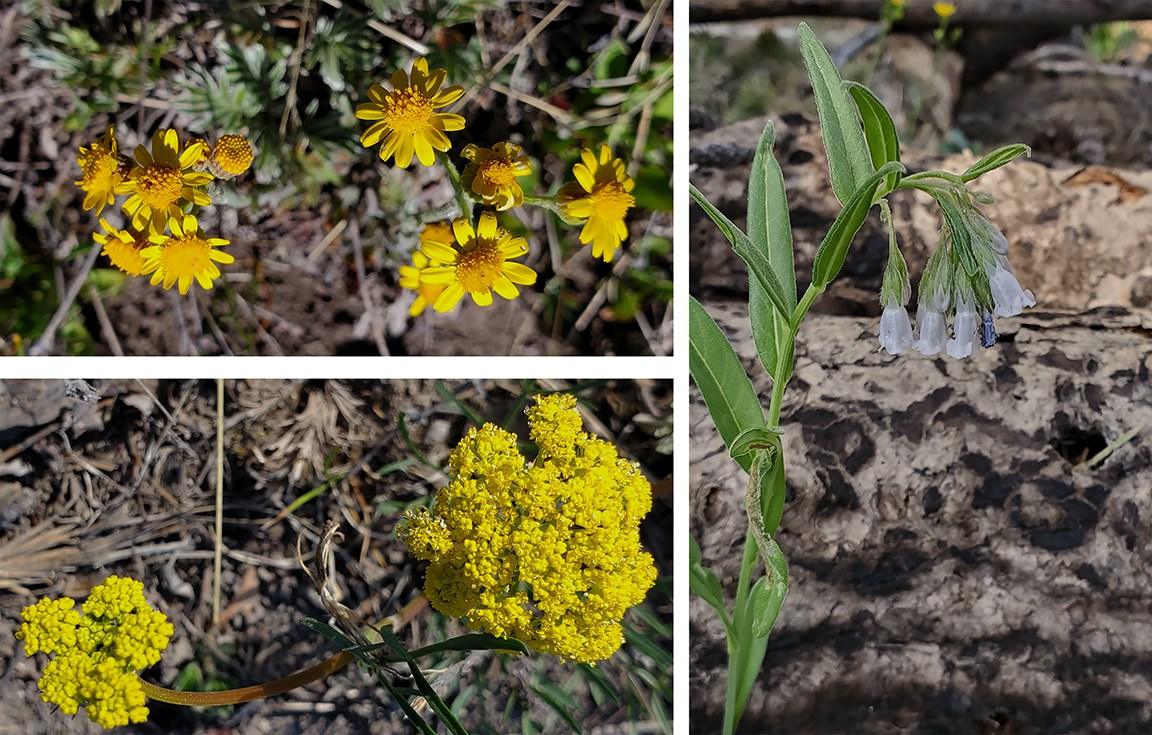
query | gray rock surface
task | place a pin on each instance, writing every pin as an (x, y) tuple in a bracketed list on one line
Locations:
[(956, 565)]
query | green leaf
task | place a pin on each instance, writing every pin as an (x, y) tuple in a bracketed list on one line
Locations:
[(769, 592), (769, 226), (754, 257), (468, 642), (758, 437), (560, 701), (705, 584), (764, 504), (994, 160), (879, 130), (834, 248), (848, 161), (731, 399)]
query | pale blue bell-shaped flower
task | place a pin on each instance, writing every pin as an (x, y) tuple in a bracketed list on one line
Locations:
[(933, 332), (1007, 294), (895, 329), (964, 327)]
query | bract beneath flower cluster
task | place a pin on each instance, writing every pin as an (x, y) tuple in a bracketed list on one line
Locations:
[(97, 653), (548, 552)]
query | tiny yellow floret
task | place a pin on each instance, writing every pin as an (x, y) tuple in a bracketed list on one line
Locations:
[(549, 551), (944, 11), (97, 654)]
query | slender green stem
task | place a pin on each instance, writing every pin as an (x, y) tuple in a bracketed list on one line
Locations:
[(463, 200), (745, 651)]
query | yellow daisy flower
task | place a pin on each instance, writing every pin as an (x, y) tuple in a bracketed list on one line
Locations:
[(601, 197), (408, 121), (492, 173), (231, 156), (478, 263), (102, 178), (123, 249), (184, 255), (161, 182)]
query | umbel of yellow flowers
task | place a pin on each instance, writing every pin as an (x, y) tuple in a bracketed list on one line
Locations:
[(97, 653), (547, 552)]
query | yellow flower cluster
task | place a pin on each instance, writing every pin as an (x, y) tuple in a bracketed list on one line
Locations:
[(547, 552), (97, 654), (407, 120), (163, 184)]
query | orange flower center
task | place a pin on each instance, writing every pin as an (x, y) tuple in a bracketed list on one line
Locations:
[(479, 267), (611, 200), (407, 110), (496, 172), (160, 185)]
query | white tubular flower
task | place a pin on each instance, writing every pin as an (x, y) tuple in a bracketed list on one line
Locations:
[(964, 328), (1009, 297), (933, 332), (895, 329)]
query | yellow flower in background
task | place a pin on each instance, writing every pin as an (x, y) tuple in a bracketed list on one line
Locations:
[(549, 551), (492, 173), (97, 653), (123, 248), (426, 293), (184, 256), (602, 197), (944, 10), (101, 179), (408, 121), (231, 156), (161, 182), (477, 263)]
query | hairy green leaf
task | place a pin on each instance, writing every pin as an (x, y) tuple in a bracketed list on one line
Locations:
[(879, 130), (770, 227), (994, 160), (754, 257), (834, 248), (731, 399), (848, 161)]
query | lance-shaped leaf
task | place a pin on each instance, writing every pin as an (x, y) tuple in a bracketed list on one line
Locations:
[(834, 248), (848, 161), (770, 227), (731, 399), (753, 256), (879, 130), (705, 584), (995, 159)]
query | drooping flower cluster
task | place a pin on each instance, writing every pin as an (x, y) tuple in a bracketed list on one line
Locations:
[(966, 283), (408, 121), (163, 183), (97, 654), (547, 552)]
